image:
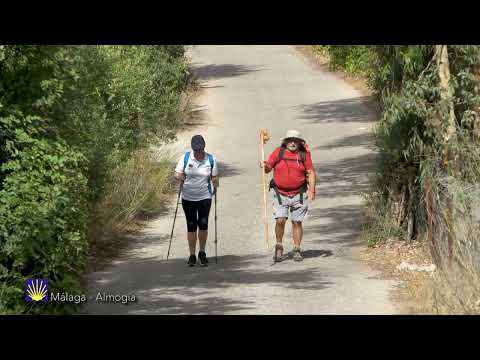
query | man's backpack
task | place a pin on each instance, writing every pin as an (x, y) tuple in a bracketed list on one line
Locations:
[(210, 160)]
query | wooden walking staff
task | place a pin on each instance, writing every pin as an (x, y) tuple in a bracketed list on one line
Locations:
[(264, 137)]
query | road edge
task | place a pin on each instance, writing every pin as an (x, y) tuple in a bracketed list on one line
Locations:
[(361, 252)]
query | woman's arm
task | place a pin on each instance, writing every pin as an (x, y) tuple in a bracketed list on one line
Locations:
[(179, 176), (215, 181)]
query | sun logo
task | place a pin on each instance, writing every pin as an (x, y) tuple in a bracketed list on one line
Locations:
[(36, 290)]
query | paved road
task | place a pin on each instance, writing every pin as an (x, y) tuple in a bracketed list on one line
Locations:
[(246, 88)]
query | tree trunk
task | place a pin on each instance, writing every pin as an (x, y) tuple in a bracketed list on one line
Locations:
[(450, 164), (410, 213), (400, 214), (446, 89)]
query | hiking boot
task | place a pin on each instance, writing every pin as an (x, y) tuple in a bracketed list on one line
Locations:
[(297, 254), (192, 260), (278, 256), (202, 258)]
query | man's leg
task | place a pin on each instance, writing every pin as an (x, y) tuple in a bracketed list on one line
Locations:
[(297, 233), (280, 212), (299, 211), (280, 229)]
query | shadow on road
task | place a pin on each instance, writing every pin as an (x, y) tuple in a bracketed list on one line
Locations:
[(346, 177), (310, 254), (170, 287), (359, 109), (228, 170), (365, 140), (338, 225), (217, 71)]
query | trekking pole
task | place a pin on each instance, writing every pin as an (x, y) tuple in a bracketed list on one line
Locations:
[(215, 225), (171, 235), (264, 137)]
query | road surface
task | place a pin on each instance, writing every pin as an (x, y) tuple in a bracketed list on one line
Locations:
[(244, 89)]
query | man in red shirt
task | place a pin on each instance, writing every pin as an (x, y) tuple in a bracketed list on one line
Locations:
[(293, 178)]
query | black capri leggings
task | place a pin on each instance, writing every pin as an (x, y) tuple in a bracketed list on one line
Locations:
[(197, 213)]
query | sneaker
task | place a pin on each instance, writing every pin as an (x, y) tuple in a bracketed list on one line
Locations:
[(202, 258), (278, 256), (192, 260), (297, 254)]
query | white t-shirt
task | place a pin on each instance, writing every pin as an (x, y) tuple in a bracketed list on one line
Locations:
[(197, 182)]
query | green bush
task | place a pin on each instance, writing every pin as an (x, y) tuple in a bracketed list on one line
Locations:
[(42, 222), (69, 116), (355, 60)]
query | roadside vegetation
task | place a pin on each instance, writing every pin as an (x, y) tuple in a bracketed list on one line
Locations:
[(76, 127), (426, 188)]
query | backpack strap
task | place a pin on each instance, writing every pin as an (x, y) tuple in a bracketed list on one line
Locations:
[(273, 186), (185, 160), (210, 160), (281, 155)]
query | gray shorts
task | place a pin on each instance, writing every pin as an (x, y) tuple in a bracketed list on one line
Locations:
[(297, 210)]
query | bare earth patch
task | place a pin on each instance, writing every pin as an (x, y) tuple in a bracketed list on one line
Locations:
[(387, 258)]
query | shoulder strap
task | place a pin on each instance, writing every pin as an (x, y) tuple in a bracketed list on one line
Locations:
[(281, 154), (185, 160), (210, 160), (302, 156)]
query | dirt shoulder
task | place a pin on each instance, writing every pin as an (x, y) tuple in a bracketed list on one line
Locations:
[(391, 259)]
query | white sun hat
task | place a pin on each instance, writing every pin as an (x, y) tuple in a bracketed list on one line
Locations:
[(293, 134)]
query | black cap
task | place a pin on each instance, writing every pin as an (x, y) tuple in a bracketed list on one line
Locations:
[(198, 143)]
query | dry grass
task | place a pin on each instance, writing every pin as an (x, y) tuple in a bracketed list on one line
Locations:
[(137, 188), (455, 288), (451, 289), (451, 292)]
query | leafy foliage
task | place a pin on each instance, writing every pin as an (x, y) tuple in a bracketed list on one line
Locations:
[(426, 172), (68, 116)]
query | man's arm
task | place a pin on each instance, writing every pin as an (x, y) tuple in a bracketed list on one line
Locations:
[(270, 163), (265, 167), (311, 180)]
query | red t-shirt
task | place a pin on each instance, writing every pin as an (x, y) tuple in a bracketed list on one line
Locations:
[(289, 175)]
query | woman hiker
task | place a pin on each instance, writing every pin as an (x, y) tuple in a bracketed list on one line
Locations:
[(199, 174), (293, 178)]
